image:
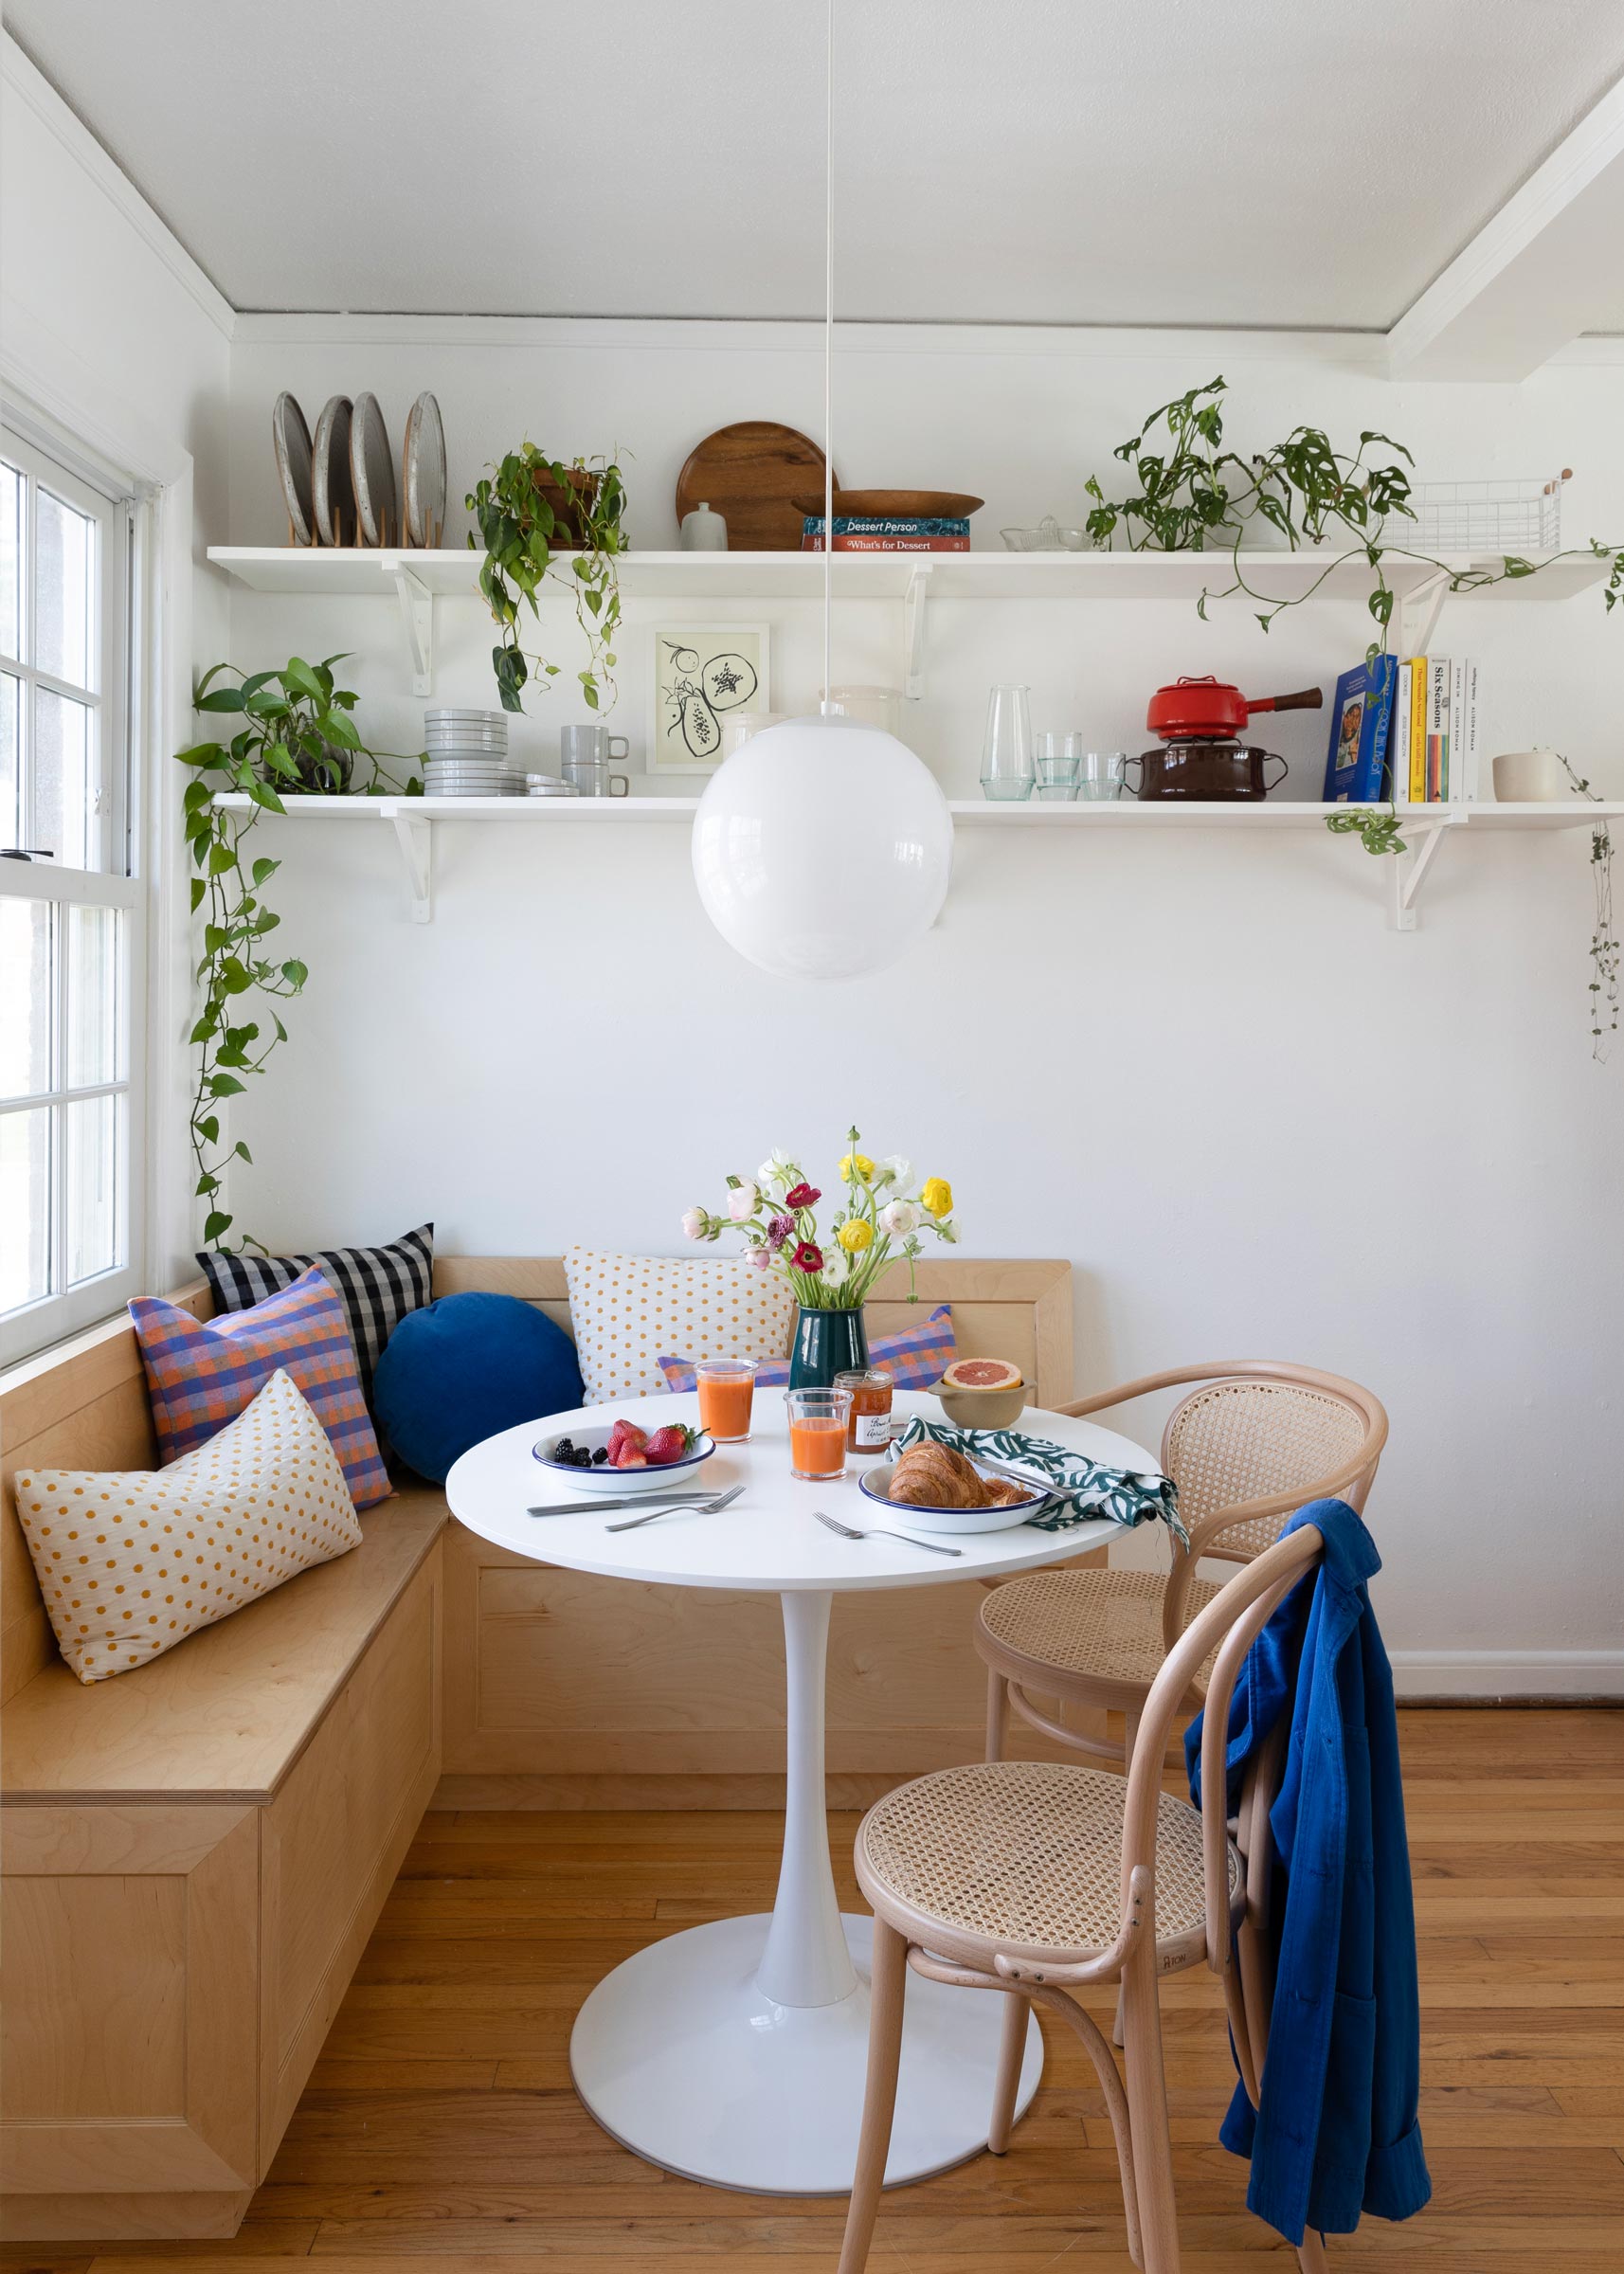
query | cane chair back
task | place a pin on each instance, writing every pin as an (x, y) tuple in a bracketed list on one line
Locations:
[(1235, 1441)]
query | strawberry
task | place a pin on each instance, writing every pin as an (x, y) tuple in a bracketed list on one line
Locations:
[(628, 1457), (622, 1434), (669, 1444)]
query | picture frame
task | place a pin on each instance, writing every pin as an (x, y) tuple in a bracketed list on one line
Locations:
[(701, 673)]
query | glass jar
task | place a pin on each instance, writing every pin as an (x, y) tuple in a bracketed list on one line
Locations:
[(868, 1426)]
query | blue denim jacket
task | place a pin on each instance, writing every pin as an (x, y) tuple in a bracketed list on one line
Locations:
[(1336, 2132)]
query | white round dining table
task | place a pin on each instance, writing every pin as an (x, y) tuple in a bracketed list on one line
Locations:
[(735, 2052)]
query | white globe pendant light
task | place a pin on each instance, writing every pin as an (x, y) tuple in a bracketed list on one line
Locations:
[(823, 848)]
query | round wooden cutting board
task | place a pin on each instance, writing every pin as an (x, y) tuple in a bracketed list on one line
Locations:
[(751, 475)]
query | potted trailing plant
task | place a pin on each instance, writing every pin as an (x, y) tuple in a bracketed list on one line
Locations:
[(882, 1213), (296, 739), (539, 516)]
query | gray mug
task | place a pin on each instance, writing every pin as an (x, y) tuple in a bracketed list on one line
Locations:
[(585, 752)]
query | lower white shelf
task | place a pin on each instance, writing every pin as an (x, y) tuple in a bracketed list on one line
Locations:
[(413, 819)]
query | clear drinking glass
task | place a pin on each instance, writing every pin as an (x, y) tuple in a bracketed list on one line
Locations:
[(1100, 775), (817, 1433), (727, 1392), (1060, 757), (1008, 771)]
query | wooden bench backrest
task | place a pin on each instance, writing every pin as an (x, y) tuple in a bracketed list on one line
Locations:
[(1015, 1309), (84, 1405)]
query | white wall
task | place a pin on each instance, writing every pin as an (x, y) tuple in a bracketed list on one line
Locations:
[(1199, 1065), (110, 334)]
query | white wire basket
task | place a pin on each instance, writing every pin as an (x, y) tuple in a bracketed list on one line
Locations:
[(1487, 516)]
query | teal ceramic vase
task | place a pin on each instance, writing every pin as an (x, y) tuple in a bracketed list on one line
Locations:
[(826, 1342)]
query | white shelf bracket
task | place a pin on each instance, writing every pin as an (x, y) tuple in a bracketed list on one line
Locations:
[(1419, 613), (414, 835), (417, 614), (1410, 869), (913, 633)]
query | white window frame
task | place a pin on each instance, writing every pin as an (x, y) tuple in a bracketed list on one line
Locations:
[(123, 542)]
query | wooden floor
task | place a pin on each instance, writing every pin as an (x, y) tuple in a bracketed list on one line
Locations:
[(440, 2129)]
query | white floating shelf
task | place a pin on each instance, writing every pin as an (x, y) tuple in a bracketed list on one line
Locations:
[(412, 822), (1183, 576)]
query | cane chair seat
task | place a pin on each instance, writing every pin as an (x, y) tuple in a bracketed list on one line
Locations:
[(1026, 1856), (1107, 1624)]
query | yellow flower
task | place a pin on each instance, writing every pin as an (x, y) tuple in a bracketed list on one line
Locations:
[(936, 1196), (855, 1235), (856, 1168)]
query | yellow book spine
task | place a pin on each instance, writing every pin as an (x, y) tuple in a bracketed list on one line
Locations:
[(1418, 731)]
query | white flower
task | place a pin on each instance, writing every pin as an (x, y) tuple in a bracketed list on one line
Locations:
[(778, 1168), (898, 1218), (693, 1223), (896, 1170), (742, 1203), (759, 1259), (836, 1263)]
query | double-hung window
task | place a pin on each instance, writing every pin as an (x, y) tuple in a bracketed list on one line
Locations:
[(72, 930)]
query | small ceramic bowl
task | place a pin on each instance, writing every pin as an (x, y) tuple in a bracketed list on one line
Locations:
[(982, 1409), (618, 1481)]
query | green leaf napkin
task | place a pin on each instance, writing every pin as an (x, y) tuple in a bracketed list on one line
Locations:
[(1124, 1497)]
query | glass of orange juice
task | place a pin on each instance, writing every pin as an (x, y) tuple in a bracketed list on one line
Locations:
[(727, 1389), (817, 1433)]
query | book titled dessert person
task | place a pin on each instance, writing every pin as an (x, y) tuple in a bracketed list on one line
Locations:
[(887, 533)]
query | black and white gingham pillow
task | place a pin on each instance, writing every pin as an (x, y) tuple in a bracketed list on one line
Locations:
[(379, 1285)]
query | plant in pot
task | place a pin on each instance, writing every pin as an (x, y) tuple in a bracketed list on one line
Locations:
[(295, 738), (882, 1213), (539, 516)]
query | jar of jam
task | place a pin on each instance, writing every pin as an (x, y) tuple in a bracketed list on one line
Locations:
[(868, 1425)]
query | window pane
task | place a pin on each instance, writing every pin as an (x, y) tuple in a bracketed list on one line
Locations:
[(12, 493), (10, 777), (26, 997), (65, 556), (94, 1130), (25, 1206), (93, 1024), (65, 790)]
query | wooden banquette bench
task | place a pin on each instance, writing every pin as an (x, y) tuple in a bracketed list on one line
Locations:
[(195, 1852)]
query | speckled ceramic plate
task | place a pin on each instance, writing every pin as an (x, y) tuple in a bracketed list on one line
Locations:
[(373, 470), (334, 491), (290, 437)]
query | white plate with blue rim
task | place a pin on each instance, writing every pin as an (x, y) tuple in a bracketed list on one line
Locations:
[(603, 1480), (874, 1484)]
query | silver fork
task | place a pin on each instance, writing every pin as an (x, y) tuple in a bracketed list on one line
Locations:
[(879, 1532), (705, 1508)]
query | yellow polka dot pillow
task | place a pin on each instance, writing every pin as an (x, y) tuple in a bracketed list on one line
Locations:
[(626, 1310), (130, 1563)]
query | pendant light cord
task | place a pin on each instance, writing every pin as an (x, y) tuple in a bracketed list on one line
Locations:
[(829, 347)]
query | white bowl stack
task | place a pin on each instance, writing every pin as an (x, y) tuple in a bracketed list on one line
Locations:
[(467, 755)]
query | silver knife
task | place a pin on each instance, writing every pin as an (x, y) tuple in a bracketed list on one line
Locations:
[(584, 1507)]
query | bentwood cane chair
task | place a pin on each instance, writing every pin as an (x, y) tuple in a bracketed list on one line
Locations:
[(1257, 1441), (1037, 1877)]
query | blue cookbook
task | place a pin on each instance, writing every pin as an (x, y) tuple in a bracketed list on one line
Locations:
[(1361, 718)]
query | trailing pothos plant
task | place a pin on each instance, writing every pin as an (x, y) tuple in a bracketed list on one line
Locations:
[(296, 739), (1191, 493), (538, 517)]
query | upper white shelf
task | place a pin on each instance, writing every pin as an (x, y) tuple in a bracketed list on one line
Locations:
[(449, 574)]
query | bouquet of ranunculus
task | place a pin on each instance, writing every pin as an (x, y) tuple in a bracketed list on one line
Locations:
[(880, 1214)]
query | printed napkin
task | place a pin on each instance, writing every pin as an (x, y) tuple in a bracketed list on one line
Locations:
[(1124, 1497)]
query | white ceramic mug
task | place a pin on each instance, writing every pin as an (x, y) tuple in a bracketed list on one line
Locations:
[(1530, 778)]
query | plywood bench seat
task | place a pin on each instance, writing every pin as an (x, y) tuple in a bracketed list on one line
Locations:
[(195, 1851), (226, 1716)]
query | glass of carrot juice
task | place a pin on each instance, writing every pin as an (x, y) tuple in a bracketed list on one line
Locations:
[(727, 1389), (817, 1433)]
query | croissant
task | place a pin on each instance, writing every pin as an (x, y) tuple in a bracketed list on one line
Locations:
[(1002, 1493), (932, 1475)]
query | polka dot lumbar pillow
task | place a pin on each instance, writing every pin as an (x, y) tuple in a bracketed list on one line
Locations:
[(626, 1310), (132, 1563)]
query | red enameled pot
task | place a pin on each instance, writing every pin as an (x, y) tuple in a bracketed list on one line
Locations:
[(1210, 710)]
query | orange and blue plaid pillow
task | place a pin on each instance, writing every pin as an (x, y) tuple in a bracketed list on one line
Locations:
[(201, 1376), (917, 1356)]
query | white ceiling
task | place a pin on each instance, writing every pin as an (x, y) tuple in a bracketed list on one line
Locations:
[(1206, 162)]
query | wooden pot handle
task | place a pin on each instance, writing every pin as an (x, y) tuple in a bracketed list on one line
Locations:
[(1309, 699)]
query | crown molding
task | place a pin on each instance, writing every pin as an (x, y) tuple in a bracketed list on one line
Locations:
[(25, 80)]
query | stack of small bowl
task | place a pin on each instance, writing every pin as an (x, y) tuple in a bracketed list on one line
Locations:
[(467, 755)]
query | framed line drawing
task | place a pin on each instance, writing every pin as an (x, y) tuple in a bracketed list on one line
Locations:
[(701, 673)]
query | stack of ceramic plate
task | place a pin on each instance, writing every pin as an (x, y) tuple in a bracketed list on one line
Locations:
[(467, 755), (549, 785)]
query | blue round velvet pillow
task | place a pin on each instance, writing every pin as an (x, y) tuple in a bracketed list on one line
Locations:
[(464, 1368)]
